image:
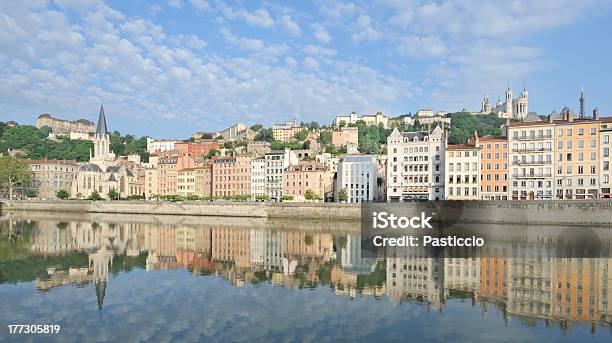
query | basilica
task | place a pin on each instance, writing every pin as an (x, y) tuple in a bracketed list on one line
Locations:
[(511, 108), (105, 171)]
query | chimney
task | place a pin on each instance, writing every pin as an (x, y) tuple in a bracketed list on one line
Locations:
[(550, 118), (596, 113)]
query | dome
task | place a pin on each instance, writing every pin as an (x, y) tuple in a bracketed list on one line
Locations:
[(90, 167)]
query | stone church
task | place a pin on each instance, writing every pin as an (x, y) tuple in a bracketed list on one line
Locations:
[(104, 171)]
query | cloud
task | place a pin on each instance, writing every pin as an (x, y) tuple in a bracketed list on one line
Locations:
[(291, 26), (178, 4), (422, 47), (260, 17), (200, 5), (321, 34)]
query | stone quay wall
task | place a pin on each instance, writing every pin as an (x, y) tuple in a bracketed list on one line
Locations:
[(561, 212)]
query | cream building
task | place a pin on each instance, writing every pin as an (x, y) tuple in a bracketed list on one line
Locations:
[(415, 165), (51, 176), (285, 132), (276, 162), (462, 172), (62, 126), (377, 119), (186, 182)]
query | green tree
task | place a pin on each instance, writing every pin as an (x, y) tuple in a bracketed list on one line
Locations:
[(94, 196), (212, 153), (343, 195), (263, 197), (308, 240), (62, 194), (287, 197), (265, 135), (325, 137), (13, 173), (256, 127), (113, 194), (311, 195), (31, 193), (300, 136)]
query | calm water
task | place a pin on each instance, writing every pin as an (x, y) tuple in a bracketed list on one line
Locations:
[(131, 278)]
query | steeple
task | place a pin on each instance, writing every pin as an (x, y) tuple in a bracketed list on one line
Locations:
[(582, 102), (101, 129)]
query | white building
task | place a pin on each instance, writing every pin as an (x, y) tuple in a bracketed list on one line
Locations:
[(511, 108), (358, 174), (258, 177), (276, 162), (605, 157), (415, 165), (462, 172), (155, 145), (353, 118)]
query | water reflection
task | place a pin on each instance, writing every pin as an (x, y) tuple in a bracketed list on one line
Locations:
[(519, 280)]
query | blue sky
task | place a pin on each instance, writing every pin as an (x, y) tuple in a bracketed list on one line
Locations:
[(169, 68)]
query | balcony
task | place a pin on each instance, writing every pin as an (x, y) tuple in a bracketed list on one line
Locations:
[(532, 150), (530, 176), (532, 138), (530, 163)]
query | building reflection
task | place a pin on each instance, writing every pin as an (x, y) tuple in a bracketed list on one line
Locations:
[(522, 280)]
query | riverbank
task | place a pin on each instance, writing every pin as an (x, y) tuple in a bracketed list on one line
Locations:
[(563, 212)]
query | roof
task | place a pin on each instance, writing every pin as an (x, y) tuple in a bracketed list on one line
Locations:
[(112, 177), (357, 158), (66, 162), (485, 139), (90, 167), (101, 129), (460, 147)]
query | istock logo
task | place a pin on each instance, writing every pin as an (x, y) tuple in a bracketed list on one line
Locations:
[(384, 220)]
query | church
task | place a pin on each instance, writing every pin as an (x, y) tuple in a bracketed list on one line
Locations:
[(104, 171), (511, 108)]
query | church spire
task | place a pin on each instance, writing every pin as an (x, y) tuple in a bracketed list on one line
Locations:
[(101, 129)]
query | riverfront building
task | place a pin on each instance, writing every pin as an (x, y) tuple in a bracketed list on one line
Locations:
[(258, 177), (231, 176), (358, 175), (306, 177), (51, 176), (276, 162), (494, 167), (462, 172), (605, 157), (415, 165)]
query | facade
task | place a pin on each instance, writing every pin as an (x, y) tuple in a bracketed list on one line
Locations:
[(300, 178), (358, 174), (51, 176), (203, 180), (576, 163), (531, 160), (259, 148), (510, 108), (276, 162), (151, 182), (494, 168), (161, 145), (605, 158), (231, 176), (258, 177), (377, 119), (62, 126), (285, 132), (462, 172), (166, 175), (186, 182), (198, 149), (232, 132), (345, 136), (415, 165)]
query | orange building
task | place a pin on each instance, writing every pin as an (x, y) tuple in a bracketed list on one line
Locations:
[(494, 168), (344, 136), (302, 177), (198, 148), (203, 179), (167, 172), (231, 176), (577, 289)]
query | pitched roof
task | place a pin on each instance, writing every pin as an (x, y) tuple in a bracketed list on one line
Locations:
[(101, 129)]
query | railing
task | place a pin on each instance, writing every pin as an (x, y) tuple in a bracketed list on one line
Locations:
[(532, 150), (530, 163), (523, 176), (530, 138)]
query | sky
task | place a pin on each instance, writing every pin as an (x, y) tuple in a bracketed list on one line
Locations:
[(169, 68)]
